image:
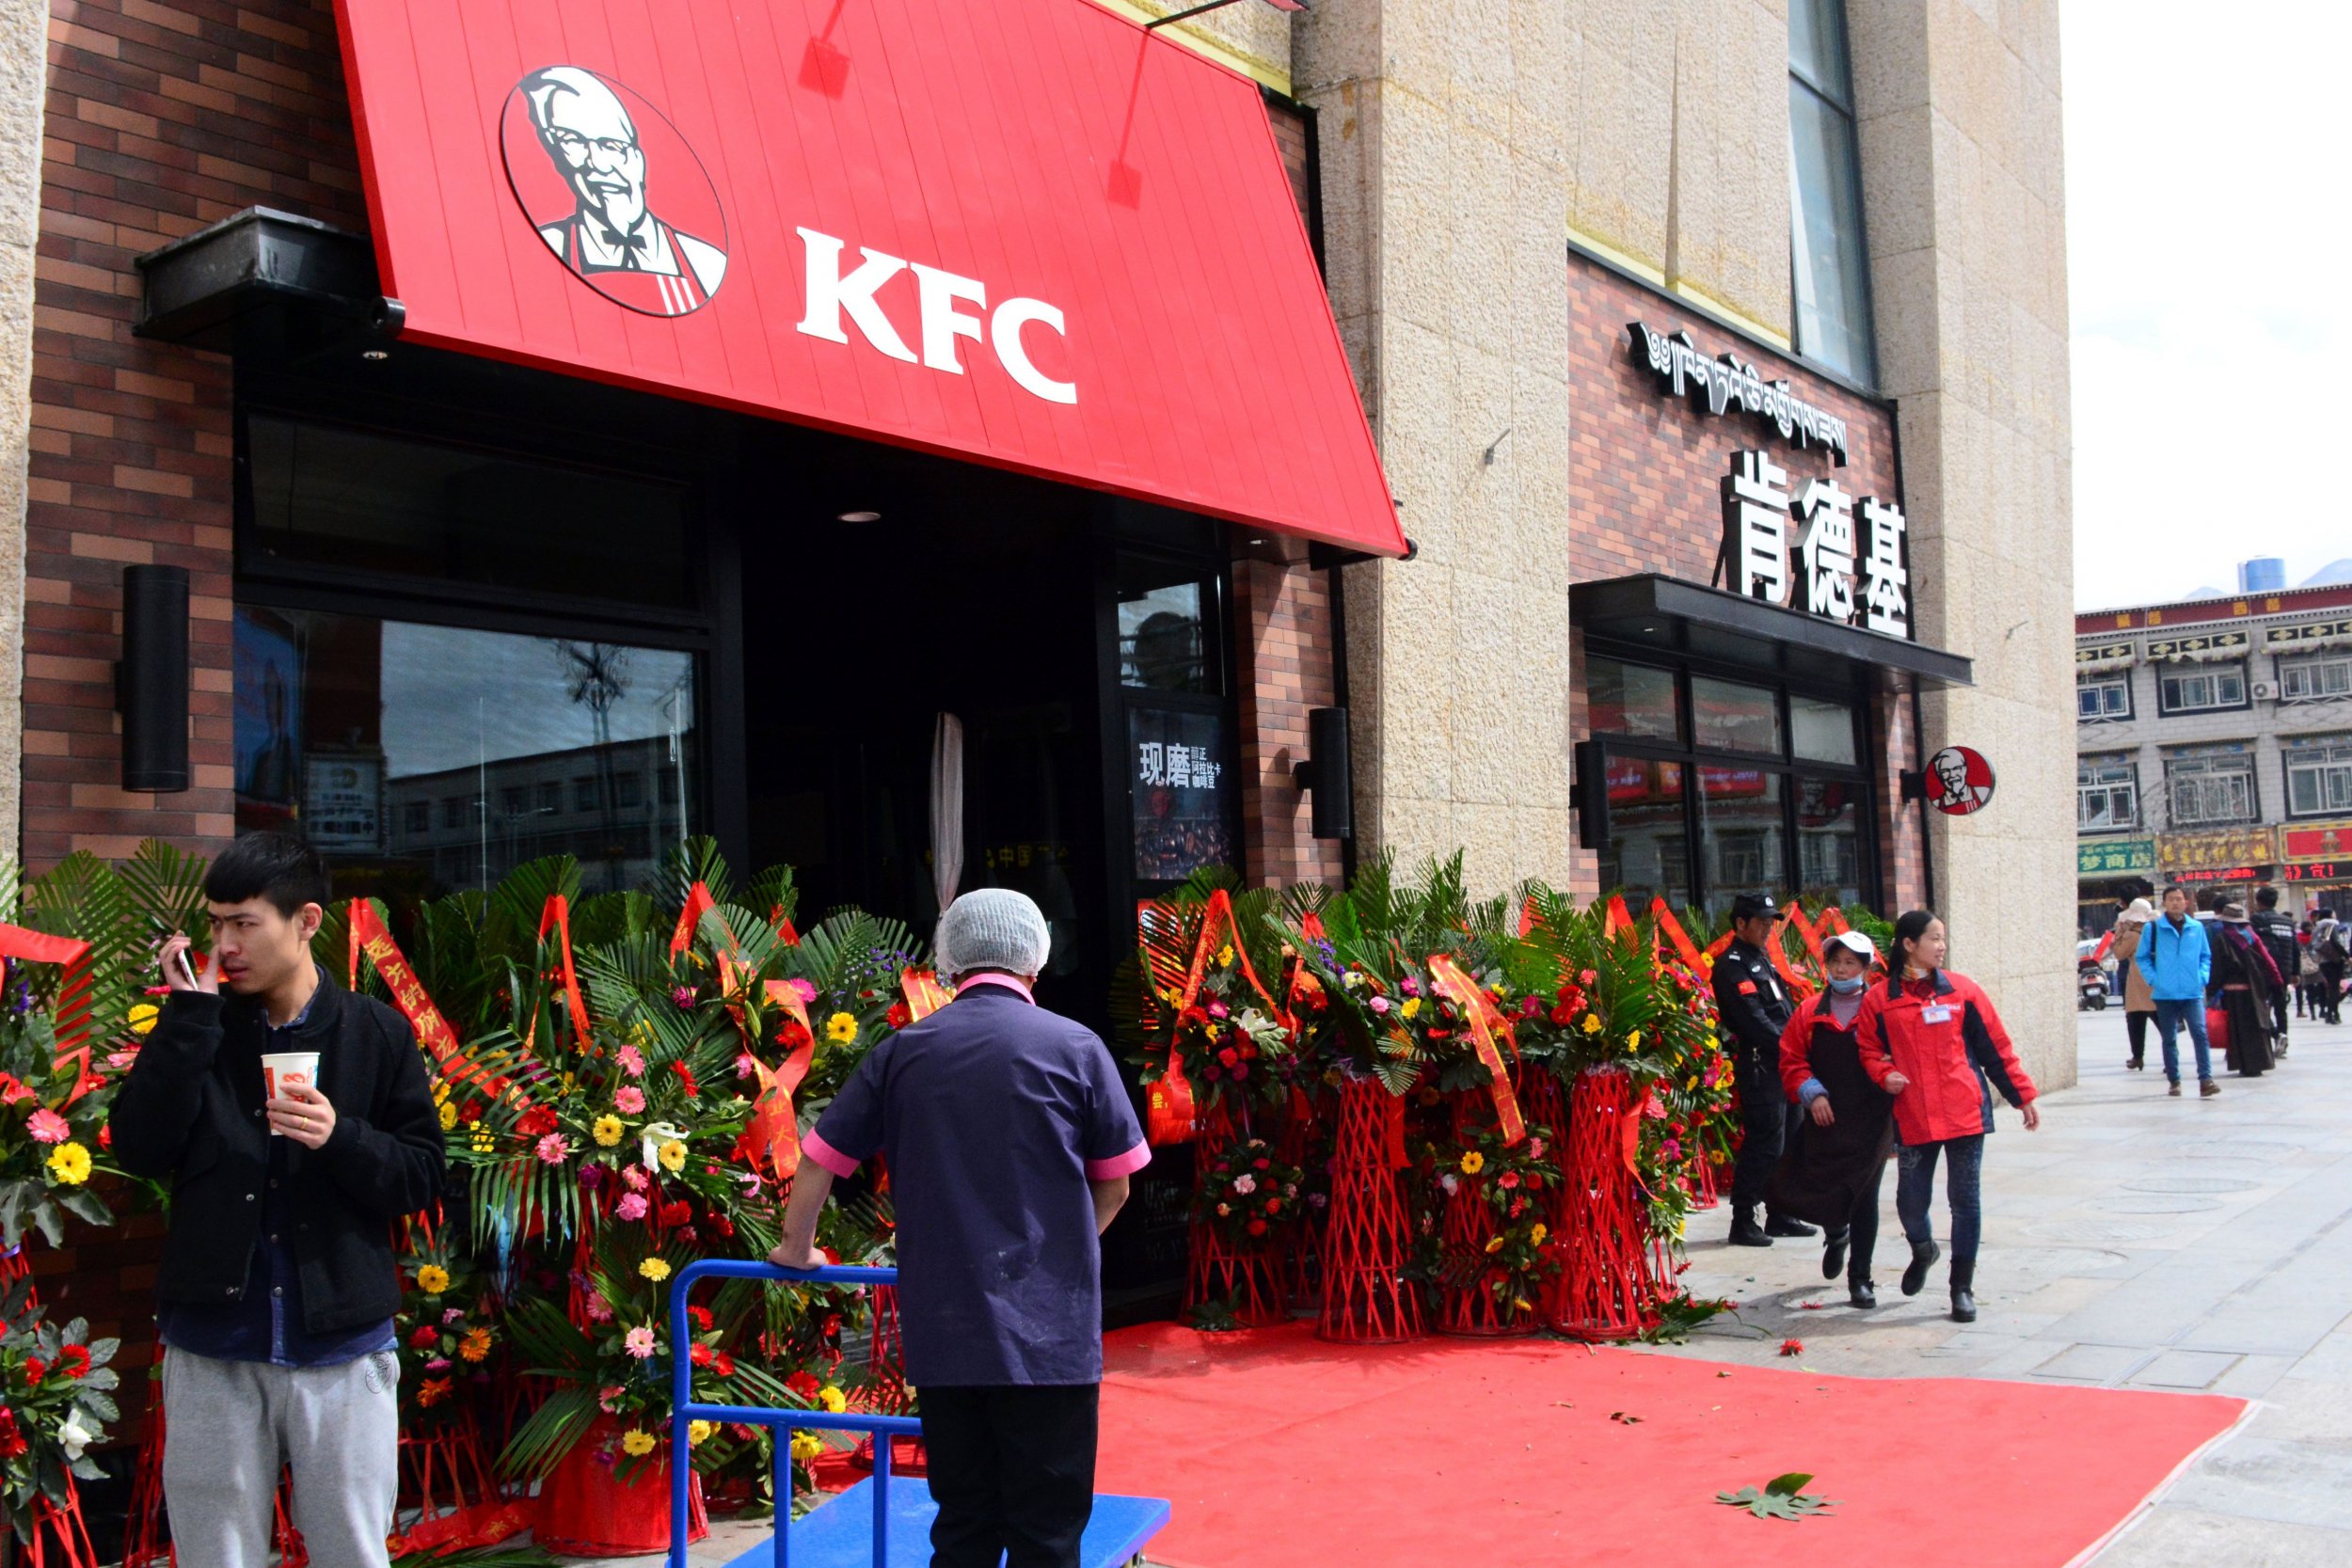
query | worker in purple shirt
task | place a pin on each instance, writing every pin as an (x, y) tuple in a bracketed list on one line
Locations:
[(1009, 1138)]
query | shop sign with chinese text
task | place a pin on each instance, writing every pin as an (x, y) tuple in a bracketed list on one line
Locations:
[(2115, 857), (2221, 847), (1819, 549)]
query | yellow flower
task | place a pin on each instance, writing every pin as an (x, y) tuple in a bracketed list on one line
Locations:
[(833, 1399), (1473, 1163), (1333, 1077), (1536, 1234), (1520, 1304), (607, 1132), (805, 1447), (672, 1156), (841, 1028), (1411, 1008), (1494, 1244), (68, 1163), (432, 1279), (449, 1116), (1225, 956), (1693, 1083), (1592, 1024), (637, 1443), (1633, 1040), (142, 1017), (440, 1092), (569, 1079), (655, 1269), (697, 1431)]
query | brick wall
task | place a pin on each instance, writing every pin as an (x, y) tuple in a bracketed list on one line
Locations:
[(160, 119), (1645, 469), (1283, 653)]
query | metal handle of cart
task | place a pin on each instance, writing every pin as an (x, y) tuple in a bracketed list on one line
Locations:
[(683, 1409)]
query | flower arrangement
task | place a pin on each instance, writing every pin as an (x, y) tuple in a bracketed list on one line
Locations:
[(1513, 1182), (1218, 1000), (58, 1396), (447, 1332), (1247, 1191)]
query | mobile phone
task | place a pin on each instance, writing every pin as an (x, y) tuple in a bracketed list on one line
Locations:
[(186, 968)]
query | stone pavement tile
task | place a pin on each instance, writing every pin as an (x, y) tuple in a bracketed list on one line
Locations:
[(2255, 1375), (2305, 1410), (2185, 1368), (2094, 1363), (2260, 1478), (2169, 1537)]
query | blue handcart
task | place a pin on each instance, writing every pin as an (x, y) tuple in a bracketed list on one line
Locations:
[(876, 1524)]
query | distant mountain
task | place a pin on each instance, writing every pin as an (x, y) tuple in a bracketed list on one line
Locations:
[(2202, 593), (2330, 575)]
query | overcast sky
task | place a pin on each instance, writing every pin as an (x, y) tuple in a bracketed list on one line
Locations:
[(2206, 215)]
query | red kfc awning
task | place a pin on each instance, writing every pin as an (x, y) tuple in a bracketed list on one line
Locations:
[(1021, 231)]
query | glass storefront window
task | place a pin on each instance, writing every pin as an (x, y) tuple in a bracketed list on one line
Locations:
[(1726, 716), (1164, 642), (1631, 699), (1829, 841), (356, 500), (1648, 854), (439, 757), (1821, 731), (1742, 843)]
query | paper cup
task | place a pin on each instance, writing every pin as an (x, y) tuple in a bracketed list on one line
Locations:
[(280, 1069)]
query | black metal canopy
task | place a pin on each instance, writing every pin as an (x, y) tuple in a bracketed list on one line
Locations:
[(1672, 616)]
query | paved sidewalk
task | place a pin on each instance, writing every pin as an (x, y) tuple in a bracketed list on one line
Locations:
[(2135, 1241)]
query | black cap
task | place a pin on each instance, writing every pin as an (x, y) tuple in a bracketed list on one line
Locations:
[(1755, 905)]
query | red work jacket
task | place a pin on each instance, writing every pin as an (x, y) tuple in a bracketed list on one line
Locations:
[(1942, 1033)]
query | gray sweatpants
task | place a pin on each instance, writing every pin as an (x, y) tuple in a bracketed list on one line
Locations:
[(228, 1425)]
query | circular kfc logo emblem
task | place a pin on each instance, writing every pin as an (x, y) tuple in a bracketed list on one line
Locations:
[(1960, 780), (614, 191)]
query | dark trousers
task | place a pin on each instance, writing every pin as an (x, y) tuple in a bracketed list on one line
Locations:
[(1766, 1121), (1914, 1189), (1013, 1470), (2136, 1025), (1862, 1228), (2331, 991)]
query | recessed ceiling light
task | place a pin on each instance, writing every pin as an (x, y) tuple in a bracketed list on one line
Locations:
[(860, 516), (374, 354)]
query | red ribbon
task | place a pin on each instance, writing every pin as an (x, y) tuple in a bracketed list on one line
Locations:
[(774, 1127), (690, 918), (924, 993), (71, 1016), (369, 936), (1478, 1011), (557, 916)]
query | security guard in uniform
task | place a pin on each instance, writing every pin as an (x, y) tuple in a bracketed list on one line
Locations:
[(1753, 1003)]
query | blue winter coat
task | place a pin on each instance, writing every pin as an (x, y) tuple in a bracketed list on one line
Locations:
[(2175, 962)]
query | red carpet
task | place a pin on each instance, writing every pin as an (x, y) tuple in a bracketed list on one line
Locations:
[(1281, 1452)]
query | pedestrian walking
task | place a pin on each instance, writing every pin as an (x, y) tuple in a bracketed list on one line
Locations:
[(1753, 1005), (2245, 983), (1931, 1038), (1011, 1139), (2329, 942), (1836, 1161), (2276, 931), (2140, 1003), (2175, 957), (2307, 970), (277, 1283)]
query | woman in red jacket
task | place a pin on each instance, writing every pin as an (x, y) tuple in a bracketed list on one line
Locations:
[(1834, 1165), (1931, 1038)]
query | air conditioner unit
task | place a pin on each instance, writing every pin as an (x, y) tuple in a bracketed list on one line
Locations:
[(2264, 690)]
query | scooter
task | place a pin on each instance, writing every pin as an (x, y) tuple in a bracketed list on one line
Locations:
[(2092, 984)]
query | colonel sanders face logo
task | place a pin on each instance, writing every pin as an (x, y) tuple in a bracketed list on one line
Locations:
[(1960, 780), (613, 191)]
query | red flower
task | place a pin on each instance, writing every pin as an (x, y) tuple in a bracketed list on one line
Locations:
[(12, 1443), (73, 1360), (899, 1017), (1508, 1179), (538, 1122), (1256, 1227), (1228, 1055), (700, 1317), (424, 1337), (793, 1035), (35, 1370), (722, 1226), (802, 1383), (1264, 1164), (676, 1214), (1792, 1347), (686, 1079), (723, 1364), (106, 1140), (1564, 1015), (699, 1355)]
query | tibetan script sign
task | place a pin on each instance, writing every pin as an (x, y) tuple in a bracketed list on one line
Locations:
[(1724, 384), (2115, 857)]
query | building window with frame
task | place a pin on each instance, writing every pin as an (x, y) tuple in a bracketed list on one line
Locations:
[(2199, 688), (1829, 261), (2102, 697), (2319, 775), (2210, 791), (2106, 794), (2310, 680)]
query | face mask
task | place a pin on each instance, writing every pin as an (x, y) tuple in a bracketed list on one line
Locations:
[(1849, 986)]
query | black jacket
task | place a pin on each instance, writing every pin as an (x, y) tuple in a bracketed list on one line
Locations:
[(2277, 934), (190, 1111), (1753, 1005)]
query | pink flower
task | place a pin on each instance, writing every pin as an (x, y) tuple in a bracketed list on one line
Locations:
[(450, 1315), (439, 1363), (1217, 1009), (638, 1342), (636, 1177), (608, 1397), (632, 1061), (119, 1060), (1245, 1185), (630, 1101), (1379, 1004), (46, 1127), (633, 1206), (598, 1309), (1409, 986), (745, 1065), (807, 990), (554, 1149), (1535, 1149), (684, 997)]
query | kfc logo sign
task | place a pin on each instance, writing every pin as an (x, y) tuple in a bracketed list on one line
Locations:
[(832, 295)]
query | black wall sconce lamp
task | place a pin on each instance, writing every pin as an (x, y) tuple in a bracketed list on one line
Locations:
[(1326, 775), (152, 679)]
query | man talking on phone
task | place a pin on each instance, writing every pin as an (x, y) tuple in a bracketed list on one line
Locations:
[(278, 1286)]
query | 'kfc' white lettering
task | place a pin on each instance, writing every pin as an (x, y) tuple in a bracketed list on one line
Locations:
[(830, 294)]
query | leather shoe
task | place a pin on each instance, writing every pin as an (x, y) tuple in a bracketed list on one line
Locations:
[(2207, 1089), (1745, 1231), (1963, 1292), (1780, 1225), (1923, 1257), (1863, 1294), (2134, 1064), (2175, 1091), (1833, 1253)]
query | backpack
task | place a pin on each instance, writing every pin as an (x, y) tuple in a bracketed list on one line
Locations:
[(2328, 943)]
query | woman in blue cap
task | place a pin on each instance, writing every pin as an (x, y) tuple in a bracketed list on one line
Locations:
[(1010, 1140)]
